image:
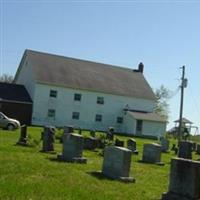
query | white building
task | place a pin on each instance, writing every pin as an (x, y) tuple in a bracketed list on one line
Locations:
[(89, 95)]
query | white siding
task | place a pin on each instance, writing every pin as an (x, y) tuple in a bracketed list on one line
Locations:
[(130, 124), (154, 128), (64, 105), (151, 128), (25, 77)]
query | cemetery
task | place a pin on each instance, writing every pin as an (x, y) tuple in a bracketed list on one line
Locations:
[(27, 173)]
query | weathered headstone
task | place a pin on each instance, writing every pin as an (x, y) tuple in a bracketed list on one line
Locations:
[(164, 144), (184, 181), (92, 133), (198, 149), (101, 143), (110, 133), (131, 144), (90, 143), (48, 139), (23, 136), (185, 149), (119, 143), (68, 129), (72, 148), (116, 163), (152, 153)]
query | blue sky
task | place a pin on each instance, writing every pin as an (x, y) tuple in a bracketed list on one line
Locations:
[(164, 35)]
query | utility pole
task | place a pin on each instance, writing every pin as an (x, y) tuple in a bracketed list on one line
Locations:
[(183, 85)]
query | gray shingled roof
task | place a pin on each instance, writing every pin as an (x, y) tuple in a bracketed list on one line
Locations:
[(87, 75), (147, 116)]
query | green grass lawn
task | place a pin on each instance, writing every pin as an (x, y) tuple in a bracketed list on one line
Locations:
[(26, 173)]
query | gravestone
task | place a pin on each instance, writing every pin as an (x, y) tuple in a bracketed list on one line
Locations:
[(68, 129), (48, 139), (72, 148), (110, 134), (131, 144), (198, 149), (101, 143), (184, 183), (92, 133), (185, 149), (164, 144), (119, 143), (23, 136), (152, 153), (90, 143), (117, 163)]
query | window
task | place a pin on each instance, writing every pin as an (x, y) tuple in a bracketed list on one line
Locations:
[(51, 113), (100, 100), (77, 97), (98, 118), (119, 120), (53, 93), (75, 115)]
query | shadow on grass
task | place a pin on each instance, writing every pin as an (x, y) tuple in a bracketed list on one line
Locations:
[(157, 163), (54, 159), (48, 152), (99, 175)]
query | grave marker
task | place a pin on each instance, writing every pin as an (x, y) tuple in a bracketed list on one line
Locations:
[(23, 136), (72, 148), (48, 139), (117, 163), (164, 144), (185, 149), (184, 180), (131, 144), (119, 143), (152, 153)]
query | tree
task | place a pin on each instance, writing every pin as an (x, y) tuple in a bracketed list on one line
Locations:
[(162, 97), (6, 78)]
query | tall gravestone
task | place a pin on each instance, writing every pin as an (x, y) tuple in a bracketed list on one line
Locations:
[(72, 148), (48, 139), (23, 136), (110, 133), (152, 153), (131, 145), (184, 183), (164, 144), (185, 149), (117, 163)]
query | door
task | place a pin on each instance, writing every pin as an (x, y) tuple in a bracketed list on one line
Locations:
[(139, 124)]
